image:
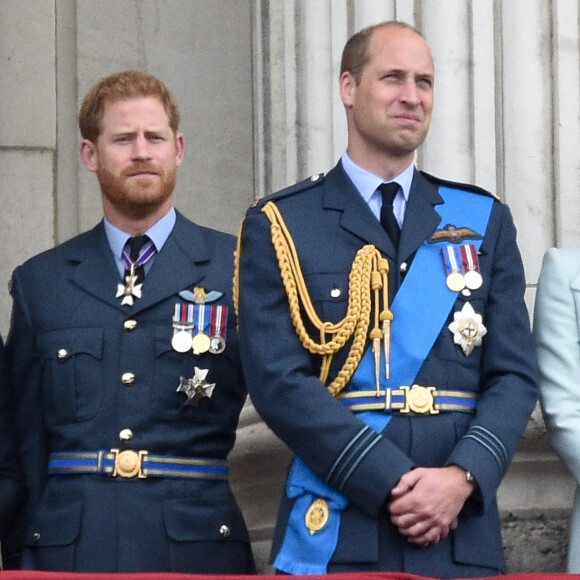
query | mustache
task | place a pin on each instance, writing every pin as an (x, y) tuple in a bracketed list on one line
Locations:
[(142, 168)]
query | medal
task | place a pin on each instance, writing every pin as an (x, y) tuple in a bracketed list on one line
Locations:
[(219, 316), (182, 327), (467, 328), (201, 341), (473, 279), (196, 388), (454, 280), (182, 341), (130, 290), (317, 515)]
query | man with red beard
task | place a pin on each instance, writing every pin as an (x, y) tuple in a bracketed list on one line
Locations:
[(124, 364)]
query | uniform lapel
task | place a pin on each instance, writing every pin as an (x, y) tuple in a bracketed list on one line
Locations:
[(421, 217), (357, 218), (94, 269)]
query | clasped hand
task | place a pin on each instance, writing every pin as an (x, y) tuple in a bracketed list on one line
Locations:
[(426, 502)]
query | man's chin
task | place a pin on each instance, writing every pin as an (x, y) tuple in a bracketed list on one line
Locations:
[(141, 210), (141, 206)]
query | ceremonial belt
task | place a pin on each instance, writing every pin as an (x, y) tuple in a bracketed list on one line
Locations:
[(129, 463), (415, 399)]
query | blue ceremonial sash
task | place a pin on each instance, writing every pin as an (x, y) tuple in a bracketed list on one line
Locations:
[(412, 336)]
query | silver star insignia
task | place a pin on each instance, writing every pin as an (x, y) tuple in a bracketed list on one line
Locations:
[(196, 388)]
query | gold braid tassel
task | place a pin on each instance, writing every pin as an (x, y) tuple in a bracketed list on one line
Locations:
[(386, 315), (367, 273), (236, 281)]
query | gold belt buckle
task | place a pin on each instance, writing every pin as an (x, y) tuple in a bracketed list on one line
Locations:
[(420, 400), (128, 463)]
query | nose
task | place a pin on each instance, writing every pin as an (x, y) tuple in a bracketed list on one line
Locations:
[(141, 148), (410, 93)]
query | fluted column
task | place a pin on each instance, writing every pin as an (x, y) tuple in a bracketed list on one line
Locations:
[(566, 91)]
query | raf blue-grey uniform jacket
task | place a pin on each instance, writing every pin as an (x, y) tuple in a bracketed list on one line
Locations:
[(68, 348), (329, 222)]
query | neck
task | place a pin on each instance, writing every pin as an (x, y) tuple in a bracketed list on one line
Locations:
[(382, 164), (135, 223)]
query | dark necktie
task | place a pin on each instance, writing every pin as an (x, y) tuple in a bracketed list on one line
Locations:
[(141, 250), (388, 219)]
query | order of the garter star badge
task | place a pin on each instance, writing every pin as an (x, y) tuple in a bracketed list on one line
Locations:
[(467, 328)]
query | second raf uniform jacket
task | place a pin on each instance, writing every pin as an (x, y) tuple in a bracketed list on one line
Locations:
[(329, 223)]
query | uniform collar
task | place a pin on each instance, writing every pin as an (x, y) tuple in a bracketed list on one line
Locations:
[(367, 182)]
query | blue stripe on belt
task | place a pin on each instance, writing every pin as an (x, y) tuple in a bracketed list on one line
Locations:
[(416, 399), (130, 463)]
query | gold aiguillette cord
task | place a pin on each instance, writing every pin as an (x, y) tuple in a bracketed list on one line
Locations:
[(364, 279), (380, 281), (386, 316)]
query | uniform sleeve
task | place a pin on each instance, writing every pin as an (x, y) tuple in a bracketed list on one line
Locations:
[(11, 485), (508, 373), (558, 347), (283, 383), (25, 390)]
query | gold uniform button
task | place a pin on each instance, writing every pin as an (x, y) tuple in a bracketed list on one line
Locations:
[(128, 379), (130, 325), (225, 531), (126, 435), (62, 353)]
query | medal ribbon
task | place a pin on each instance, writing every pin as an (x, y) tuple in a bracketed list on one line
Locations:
[(452, 264), (183, 315), (469, 258), (413, 334), (147, 252), (218, 320), (201, 316)]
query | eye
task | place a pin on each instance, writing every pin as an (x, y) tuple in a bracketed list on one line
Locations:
[(392, 77)]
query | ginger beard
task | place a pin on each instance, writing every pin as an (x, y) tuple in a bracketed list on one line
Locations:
[(135, 196)]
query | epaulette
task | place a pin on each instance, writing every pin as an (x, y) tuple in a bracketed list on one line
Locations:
[(304, 185), (458, 185)]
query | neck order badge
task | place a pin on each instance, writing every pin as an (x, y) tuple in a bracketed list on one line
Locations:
[(141, 250)]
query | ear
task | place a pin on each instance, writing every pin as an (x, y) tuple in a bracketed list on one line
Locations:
[(179, 148), (89, 155), (347, 89)]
